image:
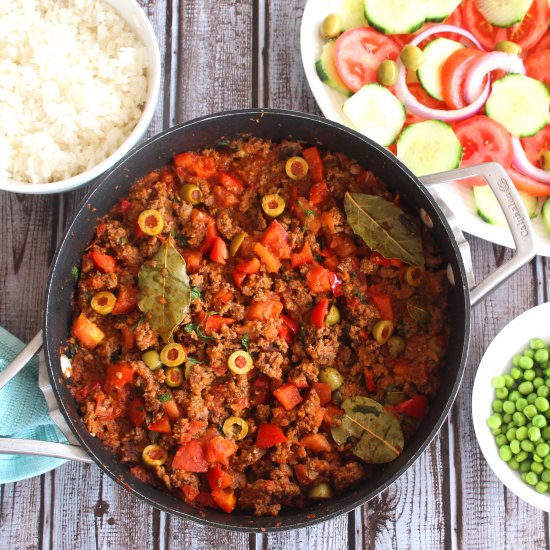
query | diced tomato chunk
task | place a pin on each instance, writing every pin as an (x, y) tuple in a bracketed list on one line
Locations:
[(226, 500), (219, 449), (271, 262), (318, 193), (87, 332), (238, 277), (190, 493), (128, 339), (264, 310), (288, 395), (219, 252), (192, 163), (103, 262), (162, 425), (303, 257), (171, 410), (276, 239), (190, 457), (119, 374), (249, 266), (313, 158), (225, 198), (124, 205), (319, 312), (214, 323), (127, 300), (415, 407), (260, 390), (136, 412), (316, 442), (318, 279), (335, 284), (382, 302), (369, 381), (210, 237), (284, 332), (232, 183), (331, 412), (300, 471), (269, 435), (218, 478), (343, 245), (192, 260), (323, 391), (290, 323)]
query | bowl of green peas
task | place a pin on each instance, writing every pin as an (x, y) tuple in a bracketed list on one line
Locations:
[(513, 426)]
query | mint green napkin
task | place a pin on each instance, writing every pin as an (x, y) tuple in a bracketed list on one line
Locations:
[(24, 415)]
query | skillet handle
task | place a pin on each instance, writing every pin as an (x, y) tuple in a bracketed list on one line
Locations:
[(43, 448), (24, 356), (514, 212)]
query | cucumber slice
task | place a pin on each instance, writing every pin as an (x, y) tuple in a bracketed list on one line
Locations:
[(429, 73), (438, 10), (503, 13), (545, 212), (520, 104), (352, 13), (395, 16), (376, 113), (327, 70), (428, 147), (489, 209)]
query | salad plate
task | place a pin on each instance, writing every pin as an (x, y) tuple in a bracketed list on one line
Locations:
[(457, 196)]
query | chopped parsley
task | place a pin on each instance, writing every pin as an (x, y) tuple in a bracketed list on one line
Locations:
[(165, 397), (191, 361), (75, 272), (359, 294), (309, 212), (245, 341), (196, 293), (71, 350), (194, 327)]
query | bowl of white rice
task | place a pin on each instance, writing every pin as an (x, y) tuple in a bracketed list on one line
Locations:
[(79, 84)]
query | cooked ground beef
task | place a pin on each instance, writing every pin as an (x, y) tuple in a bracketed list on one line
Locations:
[(256, 439)]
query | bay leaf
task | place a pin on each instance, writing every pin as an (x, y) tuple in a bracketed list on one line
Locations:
[(377, 434), (384, 227), (165, 293), (417, 309)]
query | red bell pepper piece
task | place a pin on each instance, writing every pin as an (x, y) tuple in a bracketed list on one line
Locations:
[(218, 478), (128, 339), (249, 266), (192, 260), (238, 278), (190, 457), (276, 239), (211, 236), (214, 323), (192, 163), (264, 310), (136, 412), (127, 300), (382, 303), (323, 391), (226, 500), (219, 252), (269, 435), (318, 279), (162, 425), (318, 193), (232, 183), (290, 323), (219, 449), (415, 407), (87, 332), (103, 262), (369, 381), (288, 396), (284, 332), (303, 257), (225, 198), (319, 312), (171, 409), (313, 158)]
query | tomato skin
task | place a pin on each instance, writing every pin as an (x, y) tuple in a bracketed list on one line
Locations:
[(526, 34), (358, 53), (319, 193), (319, 312), (162, 425), (192, 260), (537, 66), (529, 185), (219, 252), (192, 163), (453, 74), (276, 239), (535, 146), (226, 500), (483, 140), (214, 323), (318, 279), (303, 257), (232, 183), (543, 43), (426, 100), (219, 449), (248, 267), (269, 435)]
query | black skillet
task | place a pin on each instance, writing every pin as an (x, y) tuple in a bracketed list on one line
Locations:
[(277, 125)]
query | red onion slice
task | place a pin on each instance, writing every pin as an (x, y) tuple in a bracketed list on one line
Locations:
[(482, 67), (417, 108), (522, 163)]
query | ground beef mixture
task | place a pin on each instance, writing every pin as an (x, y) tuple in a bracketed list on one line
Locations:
[(283, 325)]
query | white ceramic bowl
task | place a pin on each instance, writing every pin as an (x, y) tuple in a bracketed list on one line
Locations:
[(511, 340), (138, 21)]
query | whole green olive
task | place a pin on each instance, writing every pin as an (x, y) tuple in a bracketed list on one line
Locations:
[(396, 346), (332, 26), (323, 490), (412, 57), (511, 48), (190, 193), (333, 316), (387, 72), (152, 359), (332, 377)]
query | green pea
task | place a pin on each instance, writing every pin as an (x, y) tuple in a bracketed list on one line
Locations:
[(519, 419), (496, 431), (527, 446), (522, 456), (514, 395), (529, 353), (529, 411), (525, 466), (505, 453), (547, 373), (536, 343), (543, 391), (501, 393), (546, 433), (531, 398), (538, 382), (509, 381), (494, 421), (511, 434), (509, 407), (515, 446), (521, 433), (534, 433), (525, 388), (506, 418), (538, 421), (541, 356), (526, 362), (497, 405), (537, 467), (498, 382), (545, 476), (546, 463), (516, 373), (542, 449), (541, 487), (514, 464), (529, 374), (523, 474), (501, 440), (521, 403), (539, 371), (515, 360), (531, 478), (538, 459)]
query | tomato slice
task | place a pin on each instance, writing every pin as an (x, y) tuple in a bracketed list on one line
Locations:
[(529, 185), (483, 140), (453, 74), (542, 44), (537, 66), (526, 33), (535, 146), (358, 53), (427, 100)]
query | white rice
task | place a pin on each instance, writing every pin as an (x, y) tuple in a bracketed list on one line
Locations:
[(72, 86)]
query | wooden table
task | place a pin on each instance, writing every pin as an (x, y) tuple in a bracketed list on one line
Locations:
[(224, 55)]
